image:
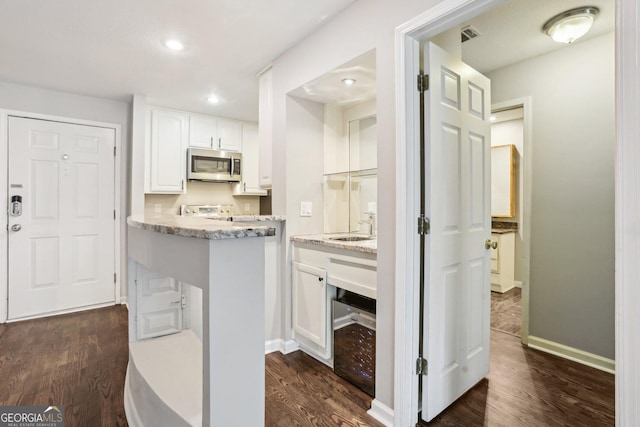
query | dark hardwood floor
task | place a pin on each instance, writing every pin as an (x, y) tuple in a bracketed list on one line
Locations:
[(75, 360), (79, 361), (506, 311)]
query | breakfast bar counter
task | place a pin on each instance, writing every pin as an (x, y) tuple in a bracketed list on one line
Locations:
[(226, 261)]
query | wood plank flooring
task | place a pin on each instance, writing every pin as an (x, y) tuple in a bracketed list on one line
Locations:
[(75, 360), (79, 361), (506, 311)]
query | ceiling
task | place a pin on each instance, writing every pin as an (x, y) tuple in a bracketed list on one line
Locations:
[(512, 32), (113, 48)]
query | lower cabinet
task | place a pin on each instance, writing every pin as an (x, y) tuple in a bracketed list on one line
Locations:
[(316, 274), (309, 315), (503, 262)]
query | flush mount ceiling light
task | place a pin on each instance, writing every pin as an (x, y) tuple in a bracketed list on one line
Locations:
[(213, 99), (569, 26), (173, 44), (348, 82)]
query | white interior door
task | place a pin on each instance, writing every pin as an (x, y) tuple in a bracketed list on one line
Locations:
[(159, 304), (62, 245), (457, 292)]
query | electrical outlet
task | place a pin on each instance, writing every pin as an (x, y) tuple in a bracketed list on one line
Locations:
[(247, 207), (157, 208), (305, 208)]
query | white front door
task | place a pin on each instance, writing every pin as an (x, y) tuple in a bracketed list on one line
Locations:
[(457, 264), (62, 244)]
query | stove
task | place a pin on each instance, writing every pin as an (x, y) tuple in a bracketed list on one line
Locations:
[(208, 211)]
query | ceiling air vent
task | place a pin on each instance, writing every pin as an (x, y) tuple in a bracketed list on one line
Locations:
[(469, 33)]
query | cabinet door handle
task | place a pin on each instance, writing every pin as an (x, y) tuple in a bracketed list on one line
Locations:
[(211, 142), (244, 187), (320, 279), (182, 185), (219, 141)]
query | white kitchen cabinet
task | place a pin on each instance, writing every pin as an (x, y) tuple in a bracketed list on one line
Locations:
[(503, 261), (229, 135), (310, 303), (203, 131), (316, 273), (249, 186), (265, 121), (169, 133)]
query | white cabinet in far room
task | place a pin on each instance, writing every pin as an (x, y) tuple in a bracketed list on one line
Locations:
[(503, 261), (249, 186), (229, 135), (203, 131), (169, 135), (310, 303)]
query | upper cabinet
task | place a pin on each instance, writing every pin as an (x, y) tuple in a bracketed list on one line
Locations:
[(229, 135), (249, 186), (168, 140), (265, 122), (168, 135), (502, 181), (203, 131)]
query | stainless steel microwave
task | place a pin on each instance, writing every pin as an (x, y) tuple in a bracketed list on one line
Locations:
[(213, 165)]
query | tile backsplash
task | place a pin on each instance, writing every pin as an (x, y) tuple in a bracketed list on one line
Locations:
[(201, 193)]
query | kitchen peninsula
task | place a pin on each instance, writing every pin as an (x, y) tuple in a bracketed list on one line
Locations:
[(226, 260)]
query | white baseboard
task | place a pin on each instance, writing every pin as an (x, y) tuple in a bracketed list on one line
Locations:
[(381, 412), (124, 301), (570, 353), (284, 347), (518, 284)]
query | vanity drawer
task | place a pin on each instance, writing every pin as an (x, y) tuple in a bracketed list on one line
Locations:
[(357, 277)]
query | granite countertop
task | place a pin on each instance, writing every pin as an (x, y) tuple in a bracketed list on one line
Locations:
[(255, 218), (367, 246), (501, 227), (198, 227)]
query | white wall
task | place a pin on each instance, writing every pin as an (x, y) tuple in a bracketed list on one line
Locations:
[(42, 101), (363, 26), (572, 218)]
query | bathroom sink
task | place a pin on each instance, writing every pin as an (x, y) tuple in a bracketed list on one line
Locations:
[(351, 238)]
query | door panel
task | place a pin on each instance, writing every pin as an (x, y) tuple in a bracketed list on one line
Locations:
[(63, 257), (159, 300), (457, 265)]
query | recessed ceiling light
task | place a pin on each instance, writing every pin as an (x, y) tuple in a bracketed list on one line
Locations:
[(569, 26), (213, 99), (173, 44), (348, 82)]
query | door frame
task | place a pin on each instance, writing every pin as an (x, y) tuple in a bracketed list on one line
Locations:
[(627, 200), (4, 238)]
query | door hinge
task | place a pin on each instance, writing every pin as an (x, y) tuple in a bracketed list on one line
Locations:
[(114, 214), (114, 151), (115, 278), (423, 82), (184, 301), (422, 366), (424, 226)]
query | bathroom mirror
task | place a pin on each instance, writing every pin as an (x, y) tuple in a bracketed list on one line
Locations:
[(363, 143)]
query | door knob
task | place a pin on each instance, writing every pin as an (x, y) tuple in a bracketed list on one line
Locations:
[(488, 244), (16, 227)]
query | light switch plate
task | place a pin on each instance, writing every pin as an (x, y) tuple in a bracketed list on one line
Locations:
[(305, 208)]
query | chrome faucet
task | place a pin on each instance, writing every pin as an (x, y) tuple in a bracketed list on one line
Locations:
[(371, 222)]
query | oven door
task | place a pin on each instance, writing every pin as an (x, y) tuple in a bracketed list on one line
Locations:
[(213, 165)]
